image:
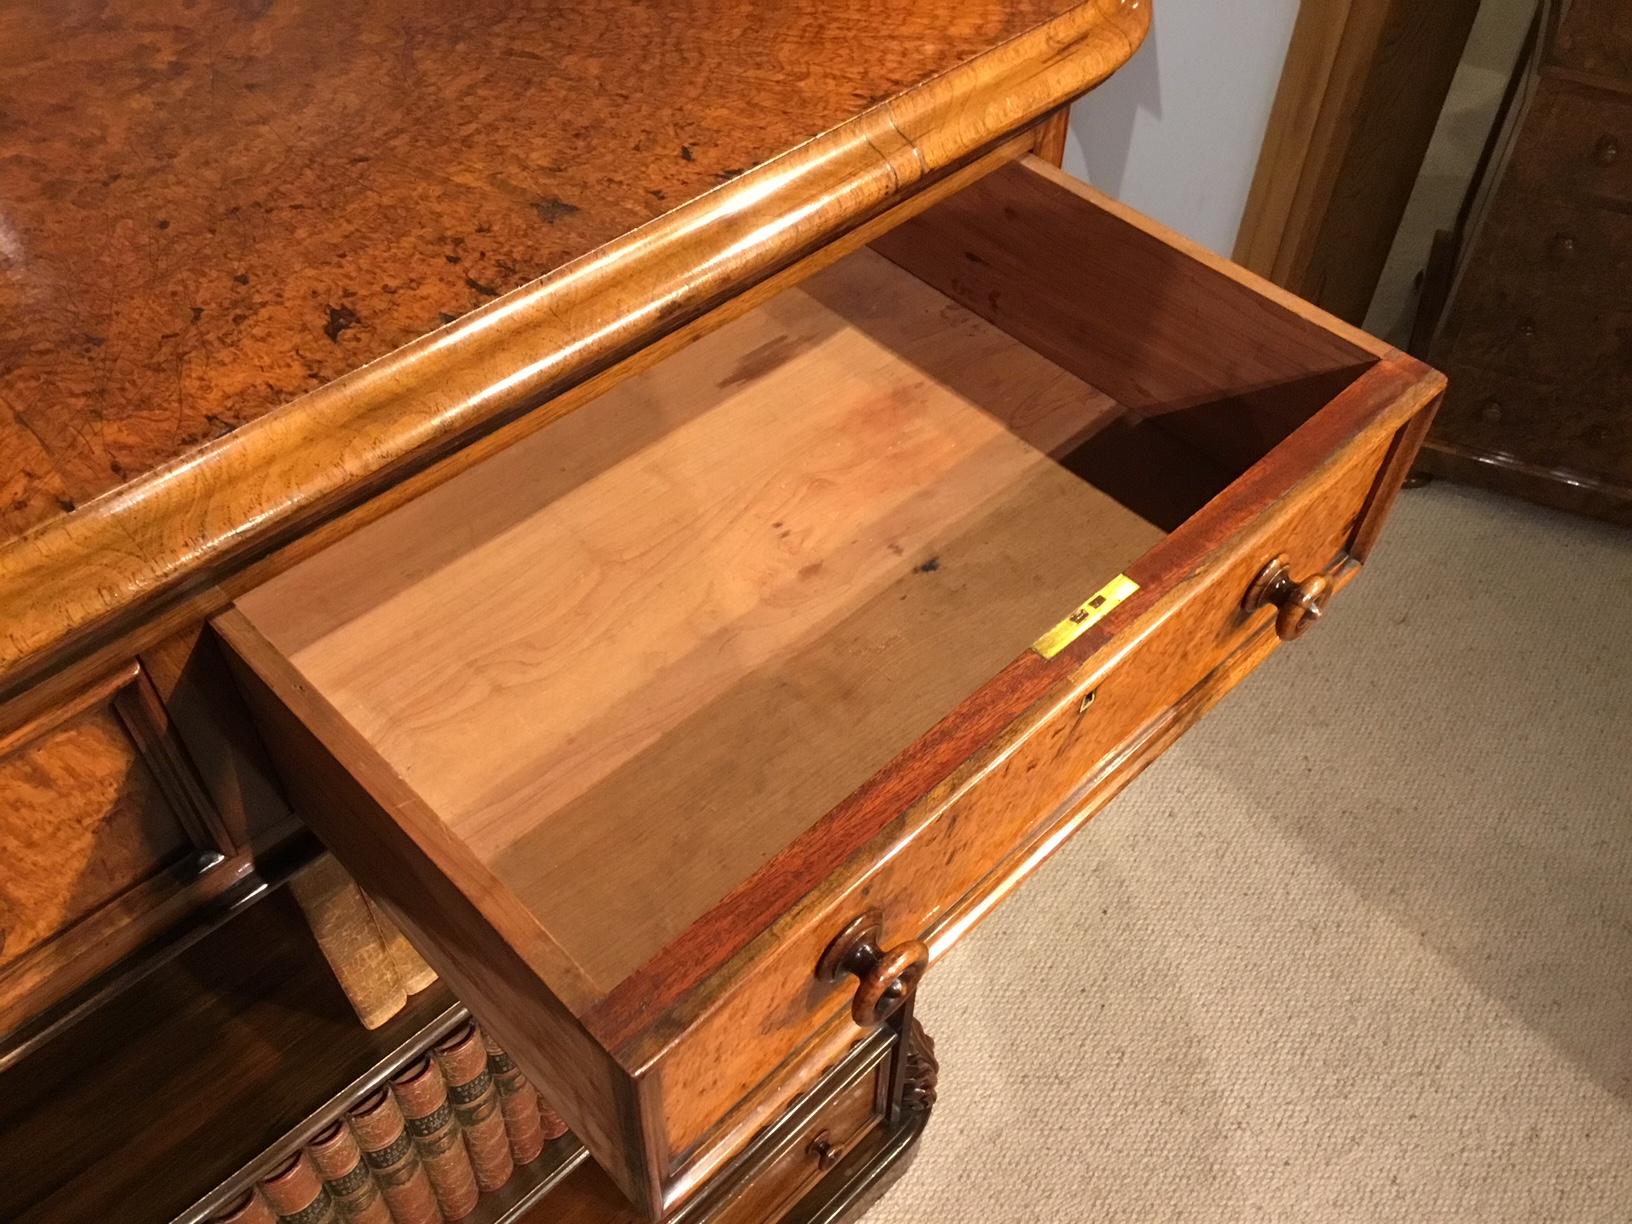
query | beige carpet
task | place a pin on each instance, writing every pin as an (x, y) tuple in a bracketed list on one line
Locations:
[(1358, 949)]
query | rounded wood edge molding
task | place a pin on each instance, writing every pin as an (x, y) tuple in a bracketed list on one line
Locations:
[(96, 569)]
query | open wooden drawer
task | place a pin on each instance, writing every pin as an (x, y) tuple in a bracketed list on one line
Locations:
[(827, 627)]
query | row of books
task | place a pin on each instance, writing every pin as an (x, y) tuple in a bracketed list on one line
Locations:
[(450, 1126)]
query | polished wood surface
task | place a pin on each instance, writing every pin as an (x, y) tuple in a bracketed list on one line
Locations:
[(84, 820), (1534, 331), (1225, 392), (1299, 603), (344, 192), (287, 192), (849, 1137), (674, 1044), (106, 837), (689, 599)]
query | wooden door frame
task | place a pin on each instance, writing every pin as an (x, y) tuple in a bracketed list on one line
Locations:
[(1360, 95)]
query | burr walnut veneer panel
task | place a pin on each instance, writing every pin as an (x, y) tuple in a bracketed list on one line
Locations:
[(105, 838)]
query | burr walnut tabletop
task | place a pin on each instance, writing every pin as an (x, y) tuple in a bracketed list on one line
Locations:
[(210, 209), (259, 261)]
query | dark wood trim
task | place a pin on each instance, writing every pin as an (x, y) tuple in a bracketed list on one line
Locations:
[(1560, 490), (1363, 87)]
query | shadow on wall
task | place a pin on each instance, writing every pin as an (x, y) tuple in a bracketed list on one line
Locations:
[(1101, 138)]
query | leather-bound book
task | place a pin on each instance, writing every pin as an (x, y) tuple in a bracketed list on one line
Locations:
[(344, 925), (518, 1103), (423, 1095), (249, 1208), (297, 1194), (463, 1060), (554, 1125), (335, 1152), (391, 1156), (411, 968)]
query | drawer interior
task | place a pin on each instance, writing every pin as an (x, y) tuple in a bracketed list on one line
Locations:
[(631, 658), (628, 660)]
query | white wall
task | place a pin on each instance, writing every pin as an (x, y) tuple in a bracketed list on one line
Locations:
[(1176, 133)]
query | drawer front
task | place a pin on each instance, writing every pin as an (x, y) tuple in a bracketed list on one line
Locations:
[(994, 829), (1504, 327), (1547, 426), (1576, 142), (812, 1147), (1595, 37), (100, 831), (1563, 250)]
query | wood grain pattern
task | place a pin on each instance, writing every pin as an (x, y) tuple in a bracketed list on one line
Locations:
[(102, 829), (88, 571), (745, 611), (485, 945), (84, 820), (951, 851), (706, 970), (1229, 389), (1398, 386), (700, 1044), (1534, 332), (1594, 38), (301, 190)]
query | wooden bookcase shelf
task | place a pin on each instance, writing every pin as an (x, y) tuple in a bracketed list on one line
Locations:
[(525, 1187), (187, 1078)]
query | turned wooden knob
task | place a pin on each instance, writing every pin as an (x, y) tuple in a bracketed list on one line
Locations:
[(1301, 603), (887, 976), (825, 1152), (1607, 151)]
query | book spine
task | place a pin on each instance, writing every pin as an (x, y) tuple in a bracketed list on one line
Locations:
[(389, 1152), (518, 1103), (463, 1062), (350, 940), (249, 1208), (423, 1096), (297, 1193), (345, 1174), (554, 1125), (411, 968)]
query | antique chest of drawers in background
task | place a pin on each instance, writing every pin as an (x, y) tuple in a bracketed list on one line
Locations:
[(685, 648), (1537, 334)]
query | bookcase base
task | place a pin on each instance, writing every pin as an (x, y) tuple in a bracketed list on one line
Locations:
[(824, 1162)]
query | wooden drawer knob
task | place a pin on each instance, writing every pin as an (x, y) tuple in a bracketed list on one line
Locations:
[(1607, 151), (887, 976), (824, 1152), (1301, 603)]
